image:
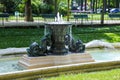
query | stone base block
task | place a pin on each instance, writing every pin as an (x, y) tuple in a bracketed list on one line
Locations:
[(53, 60)]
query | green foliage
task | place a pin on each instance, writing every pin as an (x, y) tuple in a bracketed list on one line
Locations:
[(36, 6), (24, 0), (8, 5), (1, 7), (49, 2), (40, 7), (62, 7), (45, 8), (21, 8)]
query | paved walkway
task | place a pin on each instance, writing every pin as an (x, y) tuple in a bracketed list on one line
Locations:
[(41, 23)]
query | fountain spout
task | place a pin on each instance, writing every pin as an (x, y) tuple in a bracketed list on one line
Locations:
[(58, 18)]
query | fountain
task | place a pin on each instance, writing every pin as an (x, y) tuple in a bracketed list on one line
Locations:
[(57, 47)]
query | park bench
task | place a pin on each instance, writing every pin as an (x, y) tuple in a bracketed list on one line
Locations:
[(80, 16), (4, 15), (48, 16), (114, 15)]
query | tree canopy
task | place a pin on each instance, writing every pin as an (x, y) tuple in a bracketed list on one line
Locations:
[(48, 6)]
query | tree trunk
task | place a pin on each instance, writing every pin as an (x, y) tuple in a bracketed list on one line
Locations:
[(28, 11), (85, 5), (81, 8), (96, 6), (56, 6), (93, 4), (105, 5), (108, 5), (117, 3), (68, 10), (102, 15)]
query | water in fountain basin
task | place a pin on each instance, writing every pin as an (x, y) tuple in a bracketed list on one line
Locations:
[(11, 65), (104, 55)]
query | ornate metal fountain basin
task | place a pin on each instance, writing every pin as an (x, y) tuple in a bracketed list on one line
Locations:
[(57, 40), (58, 32)]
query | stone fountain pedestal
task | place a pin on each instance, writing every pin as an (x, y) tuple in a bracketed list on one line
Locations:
[(54, 60), (63, 49)]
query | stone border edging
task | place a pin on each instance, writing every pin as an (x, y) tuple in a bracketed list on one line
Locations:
[(13, 51), (63, 69)]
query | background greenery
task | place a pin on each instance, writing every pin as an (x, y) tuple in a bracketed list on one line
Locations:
[(47, 6), (23, 37), (38, 6)]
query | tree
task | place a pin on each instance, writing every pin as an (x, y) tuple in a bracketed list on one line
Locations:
[(36, 6), (103, 11), (8, 5), (81, 8), (68, 10), (28, 11), (117, 3), (85, 5), (49, 1), (96, 4), (1, 7), (108, 5), (56, 6)]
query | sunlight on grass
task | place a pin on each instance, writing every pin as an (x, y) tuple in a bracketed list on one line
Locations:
[(102, 75), (114, 37), (15, 37)]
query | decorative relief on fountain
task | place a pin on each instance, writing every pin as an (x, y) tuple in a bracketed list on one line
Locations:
[(74, 46)]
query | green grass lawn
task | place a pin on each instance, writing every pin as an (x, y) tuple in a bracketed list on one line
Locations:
[(101, 75), (19, 37), (110, 34), (16, 37)]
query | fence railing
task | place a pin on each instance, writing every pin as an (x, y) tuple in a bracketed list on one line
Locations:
[(80, 19)]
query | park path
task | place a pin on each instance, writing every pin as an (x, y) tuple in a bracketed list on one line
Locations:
[(37, 23)]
